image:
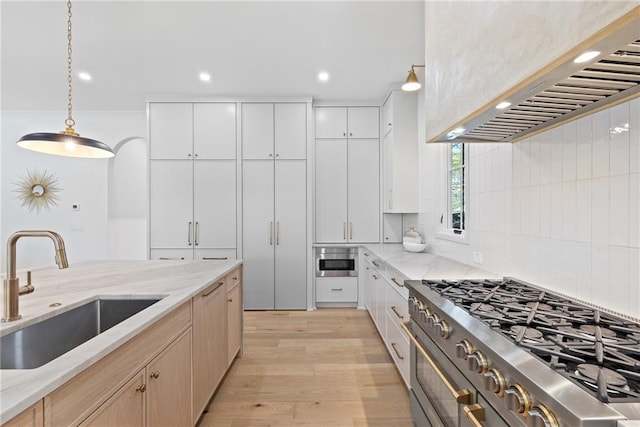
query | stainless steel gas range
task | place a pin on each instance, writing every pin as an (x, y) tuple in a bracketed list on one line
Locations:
[(507, 353)]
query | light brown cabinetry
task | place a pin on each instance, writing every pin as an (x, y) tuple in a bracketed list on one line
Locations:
[(210, 357), (125, 408), (31, 417), (234, 314)]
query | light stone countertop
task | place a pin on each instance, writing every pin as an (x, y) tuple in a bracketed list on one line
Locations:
[(175, 281), (424, 265)]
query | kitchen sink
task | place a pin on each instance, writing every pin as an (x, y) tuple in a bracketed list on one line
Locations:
[(37, 344)]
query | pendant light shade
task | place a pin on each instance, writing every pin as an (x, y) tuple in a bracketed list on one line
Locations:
[(67, 142), (412, 83)]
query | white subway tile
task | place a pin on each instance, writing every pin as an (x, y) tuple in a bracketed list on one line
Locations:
[(534, 155), (544, 199), (569, 267), (583, 148), (507, 160), (634, 210), (525, 211), (517, 164), (619, 210), (534, 208), (545, 157), (525, 163), (569, 160), (600, 275), (584, 283), (495, 170), (600, 211), (619, 278), (619, 139), (474, 175), (555, 168), (634, 136), (516, 210), (556, 210), (634, 282), (556, 266), (583, 211), (600, 145), (485, 172), (544, 272), (569, 210)]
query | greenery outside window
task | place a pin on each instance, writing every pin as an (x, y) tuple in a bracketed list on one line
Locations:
[(456, 217)]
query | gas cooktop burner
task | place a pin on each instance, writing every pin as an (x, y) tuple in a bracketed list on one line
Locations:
[(596, 350)]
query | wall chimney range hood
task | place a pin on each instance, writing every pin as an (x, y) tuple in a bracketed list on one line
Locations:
[(562, 91)]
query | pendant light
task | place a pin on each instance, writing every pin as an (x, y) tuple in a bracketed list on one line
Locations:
[(67, 142), (412, 83)]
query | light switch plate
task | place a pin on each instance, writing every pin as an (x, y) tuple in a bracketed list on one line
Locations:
[(477, 257)]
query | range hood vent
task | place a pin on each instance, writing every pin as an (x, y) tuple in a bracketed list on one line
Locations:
[(566, 92)]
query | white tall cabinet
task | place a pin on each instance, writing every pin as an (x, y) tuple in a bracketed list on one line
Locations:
[(274, 181), (347, 195), (192, 180)]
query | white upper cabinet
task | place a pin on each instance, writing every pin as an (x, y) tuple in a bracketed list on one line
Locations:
[(181, 130), (214, 130), (290, 131), (347, 122), (274, 131), (331, 191), (170, 130), (257, 131), (364, 191)]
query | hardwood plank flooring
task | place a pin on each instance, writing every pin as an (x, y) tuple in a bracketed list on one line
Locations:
[(324, 368)]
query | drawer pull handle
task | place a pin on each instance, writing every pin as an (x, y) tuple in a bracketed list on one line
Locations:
[(375, 263), (206, 294), (395, 310), (337, 289), (141, 388), (215, 258), (393, 279), (166, 258), (156, 374), (395, 348)]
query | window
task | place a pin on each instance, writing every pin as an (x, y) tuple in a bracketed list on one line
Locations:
[(456, 188)]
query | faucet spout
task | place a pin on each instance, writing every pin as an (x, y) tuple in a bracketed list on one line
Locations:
[(11, 282)]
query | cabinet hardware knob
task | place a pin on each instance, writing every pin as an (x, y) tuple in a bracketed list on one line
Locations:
[(156, 374), (196, 155), (141, 388), (234, 278), (189, 155), (270, 154), (230, 300)]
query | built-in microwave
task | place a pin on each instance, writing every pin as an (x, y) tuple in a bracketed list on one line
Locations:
[(336, 261)]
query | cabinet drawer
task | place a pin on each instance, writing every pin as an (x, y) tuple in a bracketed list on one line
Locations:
[(336, 289), (399, 348), (233, 279), (376, 263), (396, 280), (397, 306), (171, 254), (214, 254)]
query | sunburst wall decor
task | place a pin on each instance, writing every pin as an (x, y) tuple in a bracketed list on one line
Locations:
[(38, 190)]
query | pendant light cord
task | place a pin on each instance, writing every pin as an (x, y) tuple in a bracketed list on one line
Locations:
[(69, 122)]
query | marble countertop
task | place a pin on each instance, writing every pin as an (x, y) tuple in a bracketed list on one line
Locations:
[(175, 281), (424, 265)]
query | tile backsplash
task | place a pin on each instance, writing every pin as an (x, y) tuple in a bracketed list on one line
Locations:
[(560, 209)]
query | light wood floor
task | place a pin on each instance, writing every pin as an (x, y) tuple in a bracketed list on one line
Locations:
[(324, 368)]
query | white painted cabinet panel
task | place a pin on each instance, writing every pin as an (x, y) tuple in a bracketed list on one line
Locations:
[(257, 131), (336, 289), (363, 122), (290, 124), (364, 191), (214, 130), (171, 203), (170, 130), (331, 122), (331, 190), (290, 234), (214, 203)]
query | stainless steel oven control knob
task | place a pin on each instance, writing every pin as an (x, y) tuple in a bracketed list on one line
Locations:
[(443, 329), (424, 315), (540, 416), (463, 349), (518, 399), (477, 362), (432, 320), (494, 381)]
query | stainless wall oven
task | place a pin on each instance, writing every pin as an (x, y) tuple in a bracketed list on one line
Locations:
[(336, 261)]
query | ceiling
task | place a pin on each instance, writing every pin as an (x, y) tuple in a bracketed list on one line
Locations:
[(136, 49)]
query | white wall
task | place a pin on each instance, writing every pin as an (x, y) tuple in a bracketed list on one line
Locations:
[(83, 181), (560, 209)]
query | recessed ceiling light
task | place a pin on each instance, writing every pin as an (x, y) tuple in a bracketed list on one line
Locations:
[(323, 76), (503, 105), (84, 76), (205, 77), (455, 133), (587, 56)]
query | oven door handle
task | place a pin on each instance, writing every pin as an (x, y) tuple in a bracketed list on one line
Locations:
[(461, 396)]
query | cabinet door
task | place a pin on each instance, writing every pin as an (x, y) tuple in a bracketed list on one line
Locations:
[(363, 122), (214, 130), (171, 203), (214, 203), (125, 408), (31, 417), (169, 385), (234, 321), (258, 234), (257, 131), (331, 122), (290, 234), (209, 344), (290, 131), (387, 172), (331, 191), (364, 193), (170, 130)]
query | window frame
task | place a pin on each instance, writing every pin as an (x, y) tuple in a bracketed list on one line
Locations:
[(446, 231)]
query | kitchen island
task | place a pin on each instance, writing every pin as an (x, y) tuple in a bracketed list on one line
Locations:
[(177, 285)]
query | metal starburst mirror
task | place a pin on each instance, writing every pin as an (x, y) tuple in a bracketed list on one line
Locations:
[(38, 190)]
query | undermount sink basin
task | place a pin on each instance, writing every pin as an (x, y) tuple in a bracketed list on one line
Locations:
[(37, 344)]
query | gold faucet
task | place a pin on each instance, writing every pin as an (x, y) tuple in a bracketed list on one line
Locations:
[(12, 289)]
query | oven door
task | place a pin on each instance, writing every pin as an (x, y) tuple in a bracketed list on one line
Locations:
[(445, 396)]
